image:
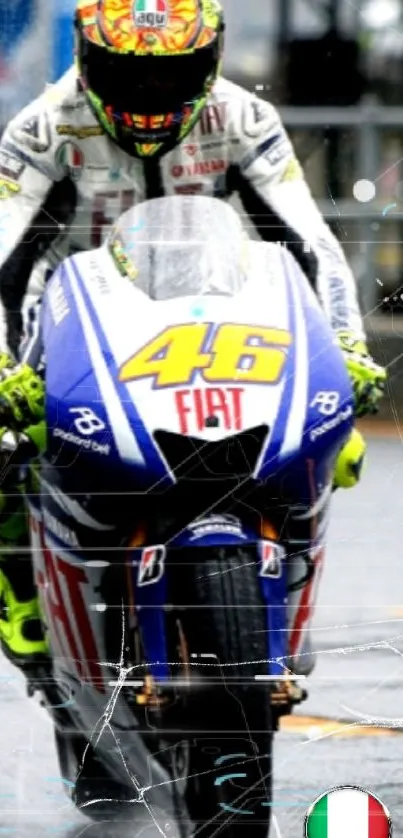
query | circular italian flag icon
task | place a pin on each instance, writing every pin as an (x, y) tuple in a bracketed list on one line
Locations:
[(348, 812)]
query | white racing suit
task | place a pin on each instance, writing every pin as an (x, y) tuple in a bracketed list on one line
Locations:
[(63, 182)]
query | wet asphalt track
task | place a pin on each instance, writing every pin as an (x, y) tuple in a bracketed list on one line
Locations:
[(358, 679)]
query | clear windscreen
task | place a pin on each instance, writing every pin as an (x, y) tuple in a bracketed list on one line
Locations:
[(180, 246)]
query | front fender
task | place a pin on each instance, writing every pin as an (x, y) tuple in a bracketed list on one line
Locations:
[(150, 585), (215, 530)]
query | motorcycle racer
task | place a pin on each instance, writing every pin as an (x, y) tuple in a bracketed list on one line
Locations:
[(144, 113)]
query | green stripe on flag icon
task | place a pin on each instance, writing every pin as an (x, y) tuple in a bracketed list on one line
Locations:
[(348, 812), (150, 6)]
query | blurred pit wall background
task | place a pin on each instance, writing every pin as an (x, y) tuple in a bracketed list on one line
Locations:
[(334, 68)]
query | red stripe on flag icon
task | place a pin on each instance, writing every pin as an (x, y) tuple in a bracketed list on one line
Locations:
[(379, 825), (152, 565), (76, 158)]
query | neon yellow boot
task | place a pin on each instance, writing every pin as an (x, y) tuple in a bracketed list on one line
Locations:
[(22, 636), (350, 462)]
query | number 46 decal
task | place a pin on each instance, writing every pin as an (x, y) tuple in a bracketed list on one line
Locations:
[(227, 353)]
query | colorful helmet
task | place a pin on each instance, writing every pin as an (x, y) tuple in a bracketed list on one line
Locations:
[(147, 67)]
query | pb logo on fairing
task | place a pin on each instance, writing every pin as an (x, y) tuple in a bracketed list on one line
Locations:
[(151, 568), (327, 402), (88, 422)]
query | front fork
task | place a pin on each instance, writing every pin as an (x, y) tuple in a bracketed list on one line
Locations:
[(149, 593)]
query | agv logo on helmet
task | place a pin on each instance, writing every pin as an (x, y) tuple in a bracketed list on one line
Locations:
[(151, 14)]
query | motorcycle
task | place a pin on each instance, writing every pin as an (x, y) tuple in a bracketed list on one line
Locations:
[(194, 397)]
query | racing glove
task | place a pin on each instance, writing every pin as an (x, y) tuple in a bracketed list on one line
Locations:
[(368, 378), (22, 400), (22, 403)]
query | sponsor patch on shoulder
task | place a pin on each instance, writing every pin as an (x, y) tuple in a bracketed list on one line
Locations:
[(33, 133), (28, 160), (258, 118), (279, 150), (274, 148), (259, 110), (80, 132)]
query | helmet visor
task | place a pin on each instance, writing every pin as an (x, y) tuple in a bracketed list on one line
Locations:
[(146, 84)]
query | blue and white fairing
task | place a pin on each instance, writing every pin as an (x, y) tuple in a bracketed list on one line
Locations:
[(202, 270), (192, 265)]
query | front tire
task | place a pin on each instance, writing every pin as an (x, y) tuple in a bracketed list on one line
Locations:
[(225, 617)]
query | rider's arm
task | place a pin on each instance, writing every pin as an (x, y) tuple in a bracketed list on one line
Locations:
[(37, 201), (275, 195)]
